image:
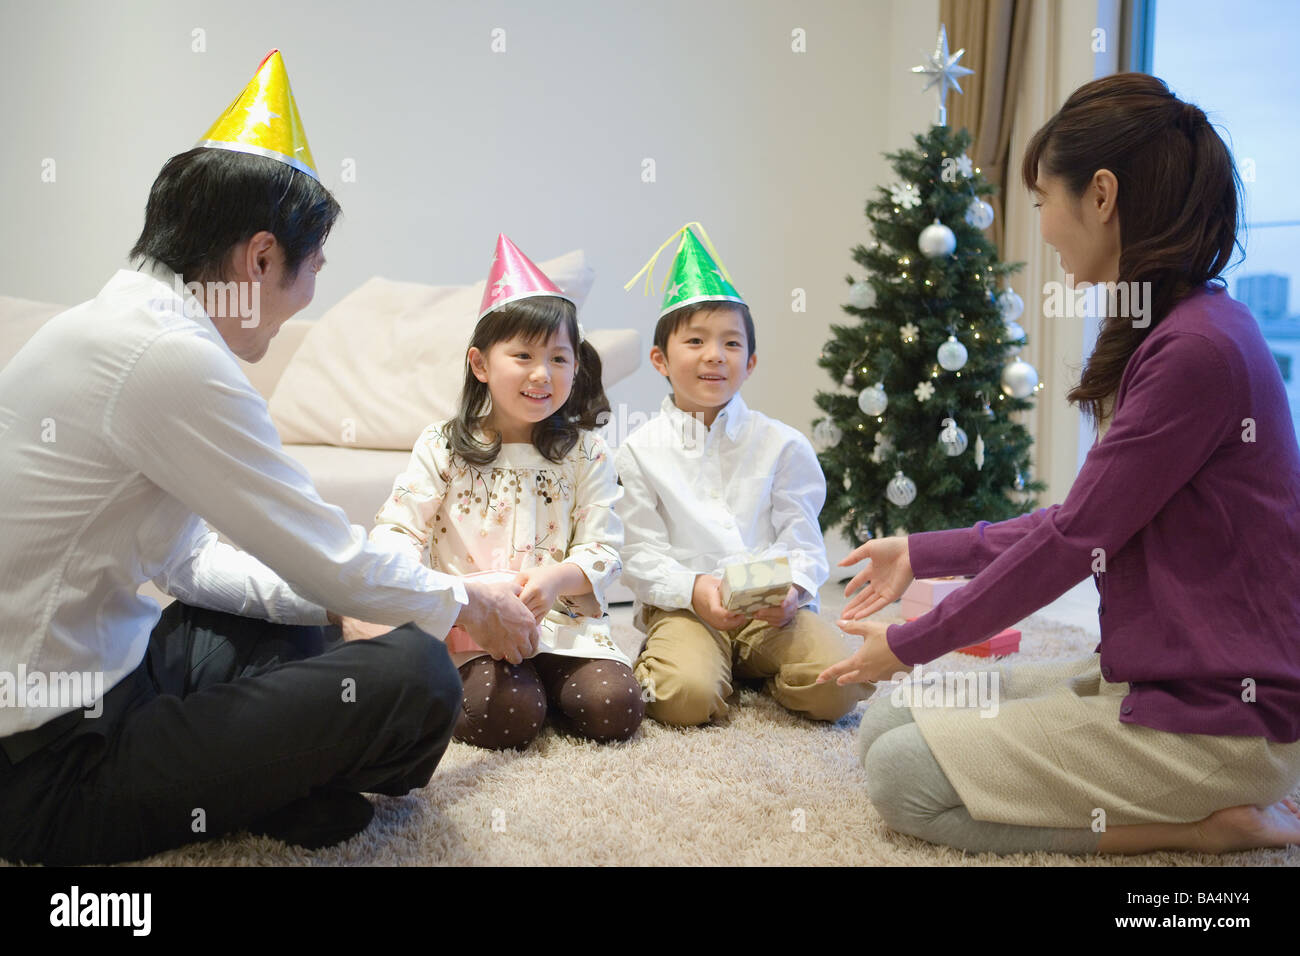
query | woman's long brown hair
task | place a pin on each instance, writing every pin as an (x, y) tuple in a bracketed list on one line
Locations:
[(1178, 203)]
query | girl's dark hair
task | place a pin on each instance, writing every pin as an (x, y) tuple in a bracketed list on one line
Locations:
[(206, 201), (536, 319), (1178, 203)]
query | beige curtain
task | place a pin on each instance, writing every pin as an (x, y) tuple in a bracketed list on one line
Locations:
[(995, 36), (1016, 48)]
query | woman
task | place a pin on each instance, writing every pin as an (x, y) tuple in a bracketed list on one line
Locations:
[(1182, 732)]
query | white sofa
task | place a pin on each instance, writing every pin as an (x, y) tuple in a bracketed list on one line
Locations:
[(356, 479)]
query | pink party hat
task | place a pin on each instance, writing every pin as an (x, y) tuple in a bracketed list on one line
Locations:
[(514, 276)]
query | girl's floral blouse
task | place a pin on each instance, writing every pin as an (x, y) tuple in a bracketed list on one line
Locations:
[(520, 511)]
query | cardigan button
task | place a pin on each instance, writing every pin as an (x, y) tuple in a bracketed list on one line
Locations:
[(1105, 672), (1126, 709)]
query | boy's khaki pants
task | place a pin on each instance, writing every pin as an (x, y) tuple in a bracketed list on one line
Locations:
[(686, 666)]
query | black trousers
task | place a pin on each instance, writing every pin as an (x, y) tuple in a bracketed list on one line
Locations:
[(226, 719)]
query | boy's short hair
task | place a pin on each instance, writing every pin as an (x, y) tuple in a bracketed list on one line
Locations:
[(674, 320)]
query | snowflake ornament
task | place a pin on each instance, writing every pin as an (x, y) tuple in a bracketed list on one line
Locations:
[(905, 195), (908, 331), (965, 166), (923, 392)]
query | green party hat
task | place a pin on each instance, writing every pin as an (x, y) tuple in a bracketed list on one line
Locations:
[(696, 275)]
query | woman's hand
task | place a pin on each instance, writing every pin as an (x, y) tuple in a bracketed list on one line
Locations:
[(871, 662), (886, 578)]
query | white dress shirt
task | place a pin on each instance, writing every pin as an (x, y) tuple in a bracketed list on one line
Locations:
[(122, 421), (697, 498)]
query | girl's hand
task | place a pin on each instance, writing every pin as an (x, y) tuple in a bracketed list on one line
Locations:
[(886, 578), (542, 587), (782, 615), (871, 662), (706, 601)]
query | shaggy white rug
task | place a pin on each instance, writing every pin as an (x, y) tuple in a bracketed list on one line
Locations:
[(765, 788)]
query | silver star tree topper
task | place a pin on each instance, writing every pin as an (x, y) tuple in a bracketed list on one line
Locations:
[(943, 69)]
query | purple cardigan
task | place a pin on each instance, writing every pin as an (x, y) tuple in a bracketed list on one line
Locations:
[(1199, 528)]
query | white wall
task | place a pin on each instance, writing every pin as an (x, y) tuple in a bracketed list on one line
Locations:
[(774, 151)]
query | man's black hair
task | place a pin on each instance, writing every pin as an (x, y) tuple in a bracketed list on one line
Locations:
[(206, 201)]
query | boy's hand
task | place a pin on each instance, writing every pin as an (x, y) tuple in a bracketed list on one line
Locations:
[(784, 613), (541, 589), (706, 601)]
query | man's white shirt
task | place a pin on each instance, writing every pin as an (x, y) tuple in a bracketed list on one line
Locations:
[(122, 421), (696, 498)]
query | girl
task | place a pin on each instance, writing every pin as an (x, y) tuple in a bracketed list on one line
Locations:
[(519, 481), (1184, 731)]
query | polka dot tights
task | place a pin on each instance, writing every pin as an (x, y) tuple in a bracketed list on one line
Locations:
[(505, 706)]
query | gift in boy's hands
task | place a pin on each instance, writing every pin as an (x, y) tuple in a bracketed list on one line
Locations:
[(751, 586)]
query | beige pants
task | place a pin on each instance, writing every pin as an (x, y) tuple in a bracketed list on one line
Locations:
[(1056, 753), (686, 666)]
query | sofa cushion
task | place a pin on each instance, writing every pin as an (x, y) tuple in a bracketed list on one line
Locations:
[(356, 479), (389, 359)]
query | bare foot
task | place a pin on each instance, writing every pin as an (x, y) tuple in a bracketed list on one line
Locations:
[(1250, 827)]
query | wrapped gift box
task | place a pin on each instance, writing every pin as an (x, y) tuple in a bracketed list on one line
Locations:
[(458, 639), (923, 594), (1006, 642), (754, 585)]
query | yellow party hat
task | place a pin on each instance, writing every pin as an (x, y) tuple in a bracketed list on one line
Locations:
[(263, 120)]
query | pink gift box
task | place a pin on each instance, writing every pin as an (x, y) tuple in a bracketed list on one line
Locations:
[(458, 640), (1005, 642), (923, 594)]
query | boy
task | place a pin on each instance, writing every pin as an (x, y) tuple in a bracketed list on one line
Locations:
[(707, 482)]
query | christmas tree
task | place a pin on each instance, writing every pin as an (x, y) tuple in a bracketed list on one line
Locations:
[(919, 436)]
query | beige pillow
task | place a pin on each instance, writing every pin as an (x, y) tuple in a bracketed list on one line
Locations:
[(377, 368)]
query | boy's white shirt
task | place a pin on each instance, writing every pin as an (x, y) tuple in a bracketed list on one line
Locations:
[(695, 497)]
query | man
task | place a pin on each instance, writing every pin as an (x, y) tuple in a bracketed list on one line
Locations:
[(124, 424)]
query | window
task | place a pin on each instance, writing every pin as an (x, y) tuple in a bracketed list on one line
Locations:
[(1237, 62)]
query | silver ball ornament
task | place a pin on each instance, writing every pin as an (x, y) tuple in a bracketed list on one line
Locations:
[(937, 240), (873, 400), (826, 435), (901, 490), (953, 439), (979, 214), (1012, 306), (952, 354), (1019, 379), (862, 295), (1014, 332)]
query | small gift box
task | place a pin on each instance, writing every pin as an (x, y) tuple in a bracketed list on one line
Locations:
[(1006, 642), (923, 594), (750, 586), (458, 640)]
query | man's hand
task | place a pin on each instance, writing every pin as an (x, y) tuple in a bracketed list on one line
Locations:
[(871, 662), (542, 587), (358, 630), (707, 604), (784, 613), (498, 621)]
